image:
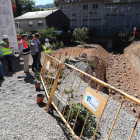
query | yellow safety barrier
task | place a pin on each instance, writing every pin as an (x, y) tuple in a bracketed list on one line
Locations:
[(63, 81), (70, 54)]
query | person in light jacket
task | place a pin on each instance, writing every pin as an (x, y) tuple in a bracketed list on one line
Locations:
[(34, 52)]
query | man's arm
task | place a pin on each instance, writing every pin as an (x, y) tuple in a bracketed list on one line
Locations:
[(21, 48), (32, 43), (6, 46)]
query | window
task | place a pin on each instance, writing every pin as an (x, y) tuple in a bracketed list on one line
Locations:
[(30, 23), (127, 26), (61, 7), (18, 24), (129, 8), (40, 23), (85, 7), (137, 8), (95, 6), (67, 7), (73, 14)]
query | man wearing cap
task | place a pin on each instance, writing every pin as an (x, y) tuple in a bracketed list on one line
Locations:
[(47, 46), (25, 51), (34, 52), (7, 51)]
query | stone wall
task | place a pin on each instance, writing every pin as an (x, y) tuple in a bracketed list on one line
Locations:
[(7, 25)]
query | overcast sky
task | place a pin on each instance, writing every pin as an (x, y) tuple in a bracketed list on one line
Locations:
[(42, 2)]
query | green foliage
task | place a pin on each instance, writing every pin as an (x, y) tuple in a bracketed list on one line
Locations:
[(49, 33), (67, 61), (24, 6), (120, 40), (29, 33), (65, 36), (92, 65), (56, 3), (37, 77), (61, 44), (81, 34), (91, 122), (19, 31), (54, 47), (61, 74), (67, 91)]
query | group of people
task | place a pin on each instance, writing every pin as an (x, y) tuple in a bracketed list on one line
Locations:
[(34, 49)]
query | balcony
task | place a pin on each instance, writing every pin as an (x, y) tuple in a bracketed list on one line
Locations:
[(14, 7)]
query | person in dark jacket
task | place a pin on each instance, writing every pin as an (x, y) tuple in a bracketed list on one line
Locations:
[(39, 46), (34, 52)]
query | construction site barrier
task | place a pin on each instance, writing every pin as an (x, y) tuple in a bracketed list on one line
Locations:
[(66, 86), (69, 54)]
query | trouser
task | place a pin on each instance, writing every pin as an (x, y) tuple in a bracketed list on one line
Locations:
[(35, 57), (1, 71), (39, 59), (26, 62), (9, 61)]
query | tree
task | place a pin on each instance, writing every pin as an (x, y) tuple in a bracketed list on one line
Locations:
[(80, 34), (24, 6), (56, 3)]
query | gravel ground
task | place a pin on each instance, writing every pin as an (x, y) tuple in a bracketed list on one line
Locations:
[(22, 119)]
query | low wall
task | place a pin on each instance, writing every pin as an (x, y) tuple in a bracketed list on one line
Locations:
[(133, 53)]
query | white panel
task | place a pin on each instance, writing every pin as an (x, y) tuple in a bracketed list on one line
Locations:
[(30, 22), (40, 21), (7, 25)]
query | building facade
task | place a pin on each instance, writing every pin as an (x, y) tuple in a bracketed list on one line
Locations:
[(33, 21), (107, 16)]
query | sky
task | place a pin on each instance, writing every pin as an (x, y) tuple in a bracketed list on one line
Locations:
[(42, 2)]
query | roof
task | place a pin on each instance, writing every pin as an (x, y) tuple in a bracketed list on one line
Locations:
[(36, 14)]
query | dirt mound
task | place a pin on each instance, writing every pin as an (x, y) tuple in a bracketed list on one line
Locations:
[(96, 50)]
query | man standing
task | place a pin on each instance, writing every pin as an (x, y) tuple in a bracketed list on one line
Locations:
[(39, 46), (34, 52), (1, 72), (25, 51), (7, 51)]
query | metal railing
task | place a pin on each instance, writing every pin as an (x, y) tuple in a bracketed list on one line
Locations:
[(65, 82)]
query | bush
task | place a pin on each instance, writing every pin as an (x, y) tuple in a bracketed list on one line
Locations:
[(54, 47), (91, 122), (61, 44), (19, 31), (120, 40), (29, 33), (50, 33), (80, 34), (65, 36)]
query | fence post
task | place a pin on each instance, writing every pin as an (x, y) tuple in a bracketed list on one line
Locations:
[(53, 88)]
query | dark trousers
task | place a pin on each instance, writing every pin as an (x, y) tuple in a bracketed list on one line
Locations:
[(9, 61), (35, 57), (39, 60)]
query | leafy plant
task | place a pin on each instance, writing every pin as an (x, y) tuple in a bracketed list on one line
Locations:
[(92, 65), (67, 61), (67, 91), (61, 74), (61, 44), (54, 46), (81, 34), (37, 78), (91, 121), (48, 32)]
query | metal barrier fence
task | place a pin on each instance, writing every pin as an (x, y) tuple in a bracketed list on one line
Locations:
[(70, 92), (70, 54)]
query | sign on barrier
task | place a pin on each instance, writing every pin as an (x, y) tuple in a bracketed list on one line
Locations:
[(94, 102)]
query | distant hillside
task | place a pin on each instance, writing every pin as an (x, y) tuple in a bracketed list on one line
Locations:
[(45, 6)]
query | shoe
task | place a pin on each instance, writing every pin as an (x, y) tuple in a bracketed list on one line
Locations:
[(12, 71), (34, 70), (2, 78)]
